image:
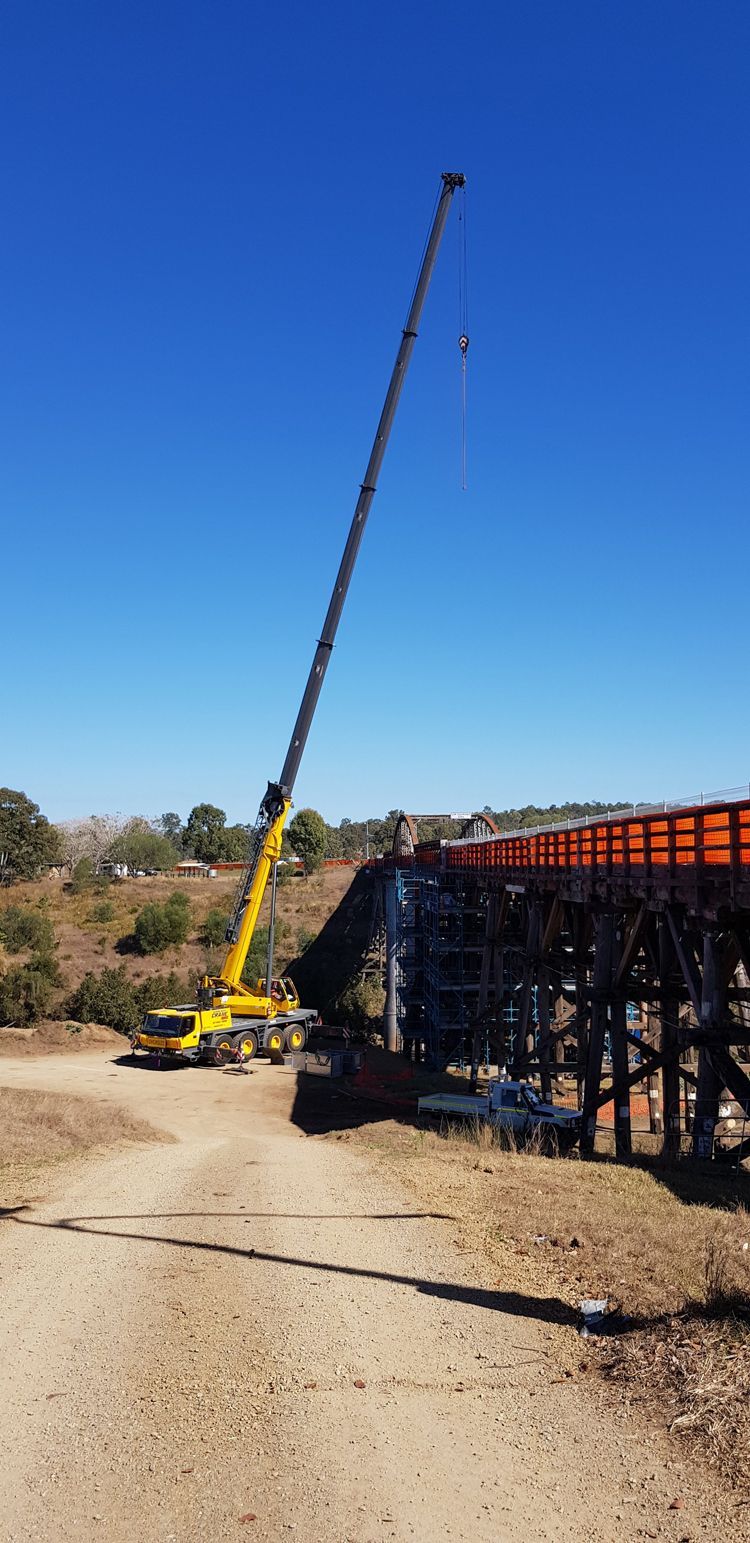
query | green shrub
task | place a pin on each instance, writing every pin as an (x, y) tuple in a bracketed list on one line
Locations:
[(102, 912), (106, 998), (83, 876), (361, 1004), (27, 991), (285, 872), (23, 927), (157, 927), (304, 938), (152, 929), (113, 999), (214, 928), (170, 990)]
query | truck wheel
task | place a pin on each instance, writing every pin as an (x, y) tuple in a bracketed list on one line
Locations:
[(296, 1037), (247, 1044), (223, 1050), (275, 1042)]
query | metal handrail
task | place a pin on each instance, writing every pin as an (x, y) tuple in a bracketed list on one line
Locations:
[(630, 812)]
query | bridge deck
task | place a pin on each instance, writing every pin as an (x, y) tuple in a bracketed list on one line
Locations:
[(689, 854)]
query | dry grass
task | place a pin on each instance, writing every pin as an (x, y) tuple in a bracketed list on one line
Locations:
[(669, 1248), (696, 1373), (40, 1128), (86, 944)]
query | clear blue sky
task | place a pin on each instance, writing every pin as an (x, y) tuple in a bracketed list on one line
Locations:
[(213, 213)]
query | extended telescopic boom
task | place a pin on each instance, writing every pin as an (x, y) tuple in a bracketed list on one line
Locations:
[(278, 796), (451, 181)]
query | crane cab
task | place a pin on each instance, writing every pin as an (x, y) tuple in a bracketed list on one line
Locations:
[(283, 993)]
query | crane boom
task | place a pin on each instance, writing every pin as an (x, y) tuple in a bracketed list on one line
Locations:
[(265, 841)]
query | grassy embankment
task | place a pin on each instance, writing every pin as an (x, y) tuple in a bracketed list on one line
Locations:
[(40, 1129)]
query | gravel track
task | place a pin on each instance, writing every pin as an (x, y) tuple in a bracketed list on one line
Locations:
[(184, 1329)]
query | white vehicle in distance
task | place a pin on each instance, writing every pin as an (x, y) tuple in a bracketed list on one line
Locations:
[(511, 1106)]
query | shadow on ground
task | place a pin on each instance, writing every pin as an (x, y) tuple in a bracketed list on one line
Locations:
[(516, 1304), (151, 1063), (322, 1105), (693, 1183)]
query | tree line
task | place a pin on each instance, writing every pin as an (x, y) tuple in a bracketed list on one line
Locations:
[(30, 844)]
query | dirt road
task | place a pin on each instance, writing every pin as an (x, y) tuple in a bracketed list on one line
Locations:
[(253, 1333)]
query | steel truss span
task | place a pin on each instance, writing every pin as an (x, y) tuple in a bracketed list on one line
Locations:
[(616, 951)]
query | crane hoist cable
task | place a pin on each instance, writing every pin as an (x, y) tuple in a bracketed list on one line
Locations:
[(463, 322)]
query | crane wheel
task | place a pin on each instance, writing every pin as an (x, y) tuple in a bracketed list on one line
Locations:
[(275, 1042), (296, 1037), (224, 1051), (247, 1044)]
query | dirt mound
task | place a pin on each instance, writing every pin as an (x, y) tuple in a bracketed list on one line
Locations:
[(50, 1037)]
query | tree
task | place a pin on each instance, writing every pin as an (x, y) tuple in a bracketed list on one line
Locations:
[(75, 844), (91, 839), (531, 814), (112, 998), (107, 998), (84, 876), (27, 990), (204, 831), (28, 843), (170, 826), (140, 846), (352, 835), (361, 1004), (234, 844), (307, 834), (334, 843)]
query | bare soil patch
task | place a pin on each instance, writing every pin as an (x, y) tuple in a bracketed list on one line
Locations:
[(54, 1037)]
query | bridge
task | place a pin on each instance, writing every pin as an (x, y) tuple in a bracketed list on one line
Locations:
[(622, 942)]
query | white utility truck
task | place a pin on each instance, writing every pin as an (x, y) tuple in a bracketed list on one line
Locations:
[(512, 1106)]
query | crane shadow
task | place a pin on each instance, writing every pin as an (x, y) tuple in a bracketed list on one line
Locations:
[(514, 1303), (151, 1063)]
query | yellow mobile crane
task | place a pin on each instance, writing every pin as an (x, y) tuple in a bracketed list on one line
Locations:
[(230, 1020)]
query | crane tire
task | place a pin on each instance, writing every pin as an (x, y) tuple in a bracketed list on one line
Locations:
[(295, 1037), (223, 1050), (246, 1043), (274, 1043)]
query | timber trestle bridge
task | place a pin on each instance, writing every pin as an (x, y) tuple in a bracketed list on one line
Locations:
[(615, 950)]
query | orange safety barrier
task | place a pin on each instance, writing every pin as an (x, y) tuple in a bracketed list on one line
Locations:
[(702, 837), (744, 835)]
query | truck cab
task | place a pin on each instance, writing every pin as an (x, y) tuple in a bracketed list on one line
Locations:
[(187, 1031)]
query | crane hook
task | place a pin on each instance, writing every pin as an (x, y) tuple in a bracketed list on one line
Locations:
[(463, 344)]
